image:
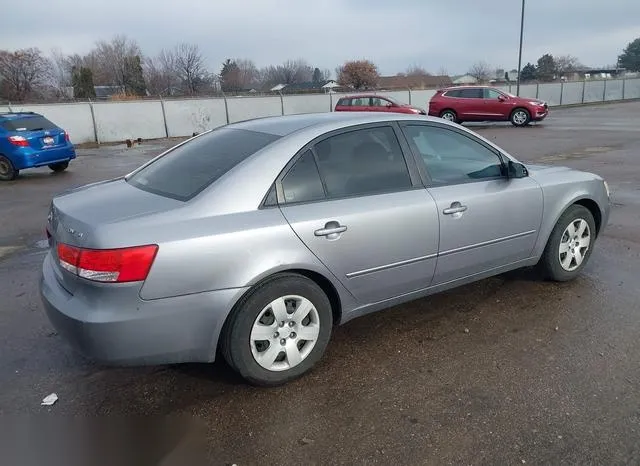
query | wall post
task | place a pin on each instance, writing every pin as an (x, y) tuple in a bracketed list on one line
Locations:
[(93, 120)]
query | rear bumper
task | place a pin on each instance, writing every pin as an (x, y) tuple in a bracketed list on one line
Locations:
[(31, 158), (117, 327)]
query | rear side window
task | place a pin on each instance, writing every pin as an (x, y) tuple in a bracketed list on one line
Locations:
[(188, 169), (344, 102), (472, 93), (30, 123), (455, 93)]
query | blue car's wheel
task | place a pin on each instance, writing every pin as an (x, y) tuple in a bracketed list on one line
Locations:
[(7, 170)]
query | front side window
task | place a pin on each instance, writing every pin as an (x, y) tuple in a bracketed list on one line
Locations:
[(378, 102), (365, 161), (188, 169), (302, 183), (361, 102), (451, 157), (491, 94)]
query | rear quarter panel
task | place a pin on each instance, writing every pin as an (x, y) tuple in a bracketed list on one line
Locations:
[(218, 252), (561, 188)]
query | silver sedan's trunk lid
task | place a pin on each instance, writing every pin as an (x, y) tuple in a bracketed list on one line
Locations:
[(77, 215)]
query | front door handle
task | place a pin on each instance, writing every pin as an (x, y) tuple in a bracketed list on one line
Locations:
[(456, 208), (331, 230)]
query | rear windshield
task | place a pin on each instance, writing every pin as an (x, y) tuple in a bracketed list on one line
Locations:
[(188, 169), (28, 123)]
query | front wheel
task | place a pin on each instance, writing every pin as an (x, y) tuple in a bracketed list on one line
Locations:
[(520, 117), (7, 170), (279, 331), (570, 244), (59, 167)]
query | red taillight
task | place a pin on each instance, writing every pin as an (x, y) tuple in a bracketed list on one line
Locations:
[(20, 141), (108, 265)]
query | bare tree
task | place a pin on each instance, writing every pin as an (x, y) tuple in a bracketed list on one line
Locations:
[(248, 74), (359, 74), (442, 71), (480, 70), (190, 67), (567, 64), (111, 59), (416, 70), (60, 73), (289, 72), (160, 73), (24, 72)]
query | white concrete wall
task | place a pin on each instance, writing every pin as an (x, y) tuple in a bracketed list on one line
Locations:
[(185, 117), (572, 93), (246, 108), (632, 89), (295, 104), (117, 121), (550, 93), (593, 91)]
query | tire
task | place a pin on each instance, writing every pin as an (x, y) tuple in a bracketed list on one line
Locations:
[(520, 117), (551, 262), (59, 167), (257, 315), (7, 170), (449, 115)]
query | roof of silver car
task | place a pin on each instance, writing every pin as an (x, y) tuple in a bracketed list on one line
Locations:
[(285, 125)]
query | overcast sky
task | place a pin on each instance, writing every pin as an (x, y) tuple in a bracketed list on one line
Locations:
[(393, 33)]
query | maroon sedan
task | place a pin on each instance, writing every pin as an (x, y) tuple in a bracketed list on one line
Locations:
[(375, 103), (481, 103)]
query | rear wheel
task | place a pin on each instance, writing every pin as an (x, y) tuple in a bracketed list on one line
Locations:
[(59, 167), (520, 117), (570, 244), (279, 331), (449, 115), (7, 170)]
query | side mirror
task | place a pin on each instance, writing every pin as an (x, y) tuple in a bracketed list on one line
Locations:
[(516, 170), (502, 98)]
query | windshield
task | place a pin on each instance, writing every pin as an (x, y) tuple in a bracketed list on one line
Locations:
[(188, 169)]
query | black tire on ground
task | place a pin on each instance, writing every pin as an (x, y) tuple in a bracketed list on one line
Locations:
[(549, 263), (451, 114), (7, 170), (516, 119), (59, 167), (236, 334)]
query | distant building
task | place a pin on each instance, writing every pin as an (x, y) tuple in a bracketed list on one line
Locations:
[(412, 82), (464, 79)]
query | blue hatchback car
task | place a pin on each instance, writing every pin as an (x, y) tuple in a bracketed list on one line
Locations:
[(29, 140)]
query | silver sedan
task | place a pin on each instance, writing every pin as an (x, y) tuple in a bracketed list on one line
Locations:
[(253, 240)]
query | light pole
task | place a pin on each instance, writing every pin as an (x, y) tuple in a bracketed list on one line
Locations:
[(520, 52)]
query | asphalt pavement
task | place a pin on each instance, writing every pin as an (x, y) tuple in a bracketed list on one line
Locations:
[(509, 370)]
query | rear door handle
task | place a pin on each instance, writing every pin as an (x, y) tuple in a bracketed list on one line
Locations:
[(331, 230), (456, 208)]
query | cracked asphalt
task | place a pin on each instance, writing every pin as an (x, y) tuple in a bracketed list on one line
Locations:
[(509, 370)]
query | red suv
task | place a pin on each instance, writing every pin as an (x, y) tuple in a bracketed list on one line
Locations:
[(480, 103), (375, 103)]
